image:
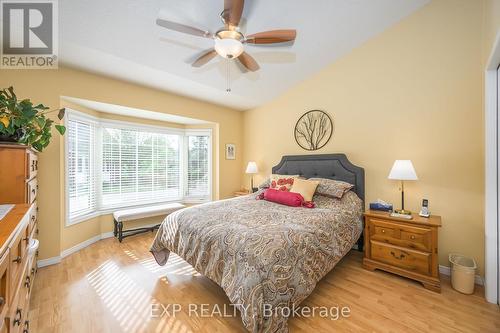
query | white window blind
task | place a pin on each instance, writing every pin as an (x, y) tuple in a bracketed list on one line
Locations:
[(198, 177), (80, 168), (112, 164), (139, 166)]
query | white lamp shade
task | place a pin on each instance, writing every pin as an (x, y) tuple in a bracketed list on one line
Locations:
[(228, 48), (252, 168), (403, 170)]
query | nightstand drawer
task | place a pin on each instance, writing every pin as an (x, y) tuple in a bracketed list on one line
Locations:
[(410, 260), (383, 229), (401, 235), (416, 238)]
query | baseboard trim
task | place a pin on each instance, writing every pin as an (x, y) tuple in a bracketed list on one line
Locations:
[(73, 249), (48, 261), (78, 247), (446, 270)]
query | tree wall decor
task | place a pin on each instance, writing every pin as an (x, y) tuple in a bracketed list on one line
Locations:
[(313, 130)]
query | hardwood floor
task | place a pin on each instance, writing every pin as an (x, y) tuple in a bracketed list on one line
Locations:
[(109, 287)]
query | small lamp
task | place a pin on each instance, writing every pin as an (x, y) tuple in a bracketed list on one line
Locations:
[(403, 170), (251, 170)]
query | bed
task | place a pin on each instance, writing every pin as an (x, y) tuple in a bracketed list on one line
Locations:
[(265, 256)]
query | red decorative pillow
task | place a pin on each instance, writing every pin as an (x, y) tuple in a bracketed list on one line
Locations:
[(282, 182), (285, 198)]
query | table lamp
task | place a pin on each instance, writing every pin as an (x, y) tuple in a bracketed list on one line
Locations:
[(252, 169), (403, 170)]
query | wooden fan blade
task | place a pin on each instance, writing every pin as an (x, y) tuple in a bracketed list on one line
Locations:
[(204, 58), (183, 28), (249, 62), (271, 37), (233, 9)]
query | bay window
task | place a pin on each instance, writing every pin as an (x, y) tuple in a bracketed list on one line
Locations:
[(111, 164), (81, 180)]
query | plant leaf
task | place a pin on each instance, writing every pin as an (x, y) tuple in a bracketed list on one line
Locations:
[(40, 121), (61, 113), (61, 129), (41, 107), (12, 94)]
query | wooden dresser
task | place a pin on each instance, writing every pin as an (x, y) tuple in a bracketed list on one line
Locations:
[(18, 185), (405, 247), (18, 170)]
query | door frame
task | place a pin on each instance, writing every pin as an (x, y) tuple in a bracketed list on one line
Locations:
[(492, 185)]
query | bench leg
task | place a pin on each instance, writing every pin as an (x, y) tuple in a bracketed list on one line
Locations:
[(120, 231), (115, 230)]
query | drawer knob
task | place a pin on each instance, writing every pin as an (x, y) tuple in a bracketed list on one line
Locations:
[(33, 217), (412, 237), (383, 231), (17, 318), (27, 284), (2, 301), (17, 260), (401, 256)]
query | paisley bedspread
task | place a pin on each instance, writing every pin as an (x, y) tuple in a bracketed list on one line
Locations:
[(263, 255)]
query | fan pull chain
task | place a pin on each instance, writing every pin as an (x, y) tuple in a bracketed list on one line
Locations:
[(228, 76)]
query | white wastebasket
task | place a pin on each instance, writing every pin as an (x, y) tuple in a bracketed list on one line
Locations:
[(463, 272)]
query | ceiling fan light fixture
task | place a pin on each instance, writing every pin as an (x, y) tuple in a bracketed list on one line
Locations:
[(228, 44)]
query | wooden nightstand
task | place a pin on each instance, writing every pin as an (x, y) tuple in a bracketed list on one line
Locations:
[(405, 247), (241, 193)]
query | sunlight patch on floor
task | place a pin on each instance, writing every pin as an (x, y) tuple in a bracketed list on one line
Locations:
[(127, 301), (175, 265)]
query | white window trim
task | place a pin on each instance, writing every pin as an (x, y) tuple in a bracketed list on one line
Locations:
[(101, 123), (184, 159), (75, 115), (492, 179)]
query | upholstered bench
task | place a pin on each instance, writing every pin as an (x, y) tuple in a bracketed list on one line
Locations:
[(121, 216)]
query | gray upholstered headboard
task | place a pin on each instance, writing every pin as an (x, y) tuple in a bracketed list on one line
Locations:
[(331, 166)]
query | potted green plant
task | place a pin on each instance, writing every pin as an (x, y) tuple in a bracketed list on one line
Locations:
[(25, 123)]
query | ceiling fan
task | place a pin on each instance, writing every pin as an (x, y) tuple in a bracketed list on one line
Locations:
[(229, 42)]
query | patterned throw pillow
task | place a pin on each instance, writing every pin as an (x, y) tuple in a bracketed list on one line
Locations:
[(332, 188), (282, 182), (265, 184)]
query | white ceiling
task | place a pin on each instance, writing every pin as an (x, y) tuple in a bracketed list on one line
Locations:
[(119, 38), (133, 112)]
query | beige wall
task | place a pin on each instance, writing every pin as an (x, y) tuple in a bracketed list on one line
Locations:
[(412, 92), (48, 86)]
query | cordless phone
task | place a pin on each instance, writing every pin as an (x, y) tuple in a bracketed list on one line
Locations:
[(424, 212)]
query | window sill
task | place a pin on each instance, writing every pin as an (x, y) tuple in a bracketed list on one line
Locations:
[(107, 211)]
